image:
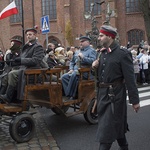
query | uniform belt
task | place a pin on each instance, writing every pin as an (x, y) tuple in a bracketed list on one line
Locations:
[(106, 85)]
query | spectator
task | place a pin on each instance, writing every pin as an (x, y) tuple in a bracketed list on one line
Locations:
[(135, 64), (52, 61), (144, 60), (60, 55)]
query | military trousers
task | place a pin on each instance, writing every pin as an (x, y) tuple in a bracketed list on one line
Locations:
[(13, 77), (122, 142)]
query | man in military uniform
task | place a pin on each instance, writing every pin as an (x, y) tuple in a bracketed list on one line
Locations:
[(11, 54), (81, 59), (115, 74), (31, 56)]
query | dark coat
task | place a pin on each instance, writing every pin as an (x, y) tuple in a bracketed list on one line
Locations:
[(51, 62), (32, 56), (114, 66)]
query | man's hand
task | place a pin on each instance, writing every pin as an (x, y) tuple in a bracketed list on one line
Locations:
[(80, 55), (95, 64), (136, 107), (70, 71), (18, 59)]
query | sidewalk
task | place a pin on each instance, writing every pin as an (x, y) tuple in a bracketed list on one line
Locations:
[(42, 140)]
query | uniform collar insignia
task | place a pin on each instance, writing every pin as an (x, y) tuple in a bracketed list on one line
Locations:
[(106, 49)]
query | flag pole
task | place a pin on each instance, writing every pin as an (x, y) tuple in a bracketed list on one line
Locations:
[(23, 36)]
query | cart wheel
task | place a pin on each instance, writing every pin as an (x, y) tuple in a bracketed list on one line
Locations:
[(59, 111), (90, 117), (22, 128)]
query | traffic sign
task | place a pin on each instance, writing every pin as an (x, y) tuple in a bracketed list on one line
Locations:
[(45, 26)]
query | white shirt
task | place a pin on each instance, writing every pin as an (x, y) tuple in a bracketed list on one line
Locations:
[(144, 61)]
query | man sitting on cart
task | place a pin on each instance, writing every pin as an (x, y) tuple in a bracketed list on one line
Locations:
[(81, 59), (31, 56), (12, 53)]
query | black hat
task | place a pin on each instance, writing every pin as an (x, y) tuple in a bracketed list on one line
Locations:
[(108, 30), (85, 38), (31, 29), (17, 41)]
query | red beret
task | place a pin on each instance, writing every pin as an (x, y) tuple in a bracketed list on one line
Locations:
[(108, 30)]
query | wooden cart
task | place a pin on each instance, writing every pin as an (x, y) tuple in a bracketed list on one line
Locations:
[(41, 90)]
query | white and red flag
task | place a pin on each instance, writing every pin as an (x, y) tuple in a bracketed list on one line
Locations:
[(11, 9)]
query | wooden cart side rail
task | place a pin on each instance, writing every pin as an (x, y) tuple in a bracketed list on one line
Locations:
[(44, 75), (84, 70), (64, 69), (54, 72), (43, 80)]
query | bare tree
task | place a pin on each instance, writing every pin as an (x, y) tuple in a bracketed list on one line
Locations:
[(145, 8)]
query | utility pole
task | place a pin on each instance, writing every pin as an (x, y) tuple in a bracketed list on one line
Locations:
[(23, 36)]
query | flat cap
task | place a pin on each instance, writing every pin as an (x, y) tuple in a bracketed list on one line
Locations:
[(85, 38), (17, 41), (31, 29), (108, 30)]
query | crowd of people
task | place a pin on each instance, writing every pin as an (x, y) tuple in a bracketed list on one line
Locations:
[(141, 62)]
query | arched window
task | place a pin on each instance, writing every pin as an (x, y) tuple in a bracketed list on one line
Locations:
[(132, 6), (135, 36), (96, 9), (18, 17), (49, 8)]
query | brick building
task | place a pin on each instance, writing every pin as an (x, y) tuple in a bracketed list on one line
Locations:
[(127, 19)]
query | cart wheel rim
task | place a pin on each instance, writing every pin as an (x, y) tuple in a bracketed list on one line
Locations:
[(24, 128)]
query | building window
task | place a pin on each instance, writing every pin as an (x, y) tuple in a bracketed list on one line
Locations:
[(135, 36), (132, 6), (17, 17), (96, 9), (49, 8)]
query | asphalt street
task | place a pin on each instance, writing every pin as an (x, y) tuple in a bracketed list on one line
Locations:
[(75, 133), (55, 132)]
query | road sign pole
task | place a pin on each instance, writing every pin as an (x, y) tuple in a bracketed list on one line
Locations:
[(47, 40)]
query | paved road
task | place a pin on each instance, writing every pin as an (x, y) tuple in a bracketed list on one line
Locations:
[(75, 133), (42, 140)]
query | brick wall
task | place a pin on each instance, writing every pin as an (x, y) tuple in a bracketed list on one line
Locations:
[(67, 10)]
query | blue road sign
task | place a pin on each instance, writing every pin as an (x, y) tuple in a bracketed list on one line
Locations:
[(45, 26)]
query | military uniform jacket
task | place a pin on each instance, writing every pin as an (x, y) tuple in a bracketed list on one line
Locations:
[(116, 65)]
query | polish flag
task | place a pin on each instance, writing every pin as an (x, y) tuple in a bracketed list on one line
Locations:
[(11, 9)]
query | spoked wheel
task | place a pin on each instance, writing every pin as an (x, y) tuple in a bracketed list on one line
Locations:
[(22, 128), (91, 117), (59, 111)]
